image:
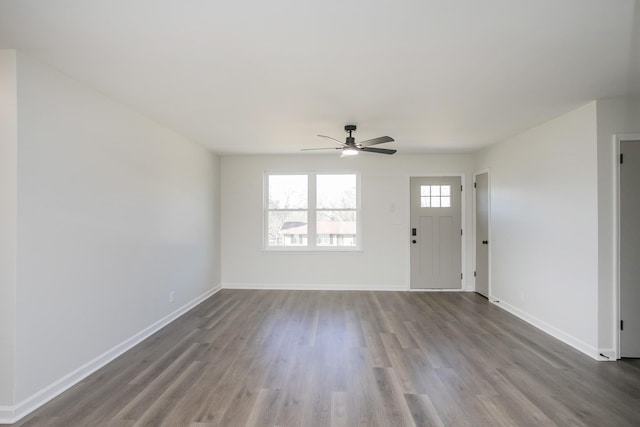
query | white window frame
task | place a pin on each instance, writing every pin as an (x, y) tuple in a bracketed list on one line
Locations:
[(311, 215)]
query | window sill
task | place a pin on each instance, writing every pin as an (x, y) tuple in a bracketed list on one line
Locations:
[(300, 250)]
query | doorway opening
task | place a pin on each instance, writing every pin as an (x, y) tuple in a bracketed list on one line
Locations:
[(481, 216), (628, 245)]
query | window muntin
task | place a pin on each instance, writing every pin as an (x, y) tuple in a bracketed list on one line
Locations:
[(311, 211), (435, 196)]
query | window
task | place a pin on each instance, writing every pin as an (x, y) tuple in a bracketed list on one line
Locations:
[(311, 211), (435, 196)]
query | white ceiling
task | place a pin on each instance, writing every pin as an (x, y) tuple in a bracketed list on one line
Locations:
[(267, 76)]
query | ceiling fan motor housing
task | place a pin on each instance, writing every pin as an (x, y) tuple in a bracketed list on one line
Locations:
[(350, 139)]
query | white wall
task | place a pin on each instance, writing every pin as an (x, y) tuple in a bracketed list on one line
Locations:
[(615, 116), (114, 213), (8, 221), (384, 261), (544, 219)]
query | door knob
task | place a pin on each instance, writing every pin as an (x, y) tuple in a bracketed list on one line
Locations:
[(485, 242), (413, 241)]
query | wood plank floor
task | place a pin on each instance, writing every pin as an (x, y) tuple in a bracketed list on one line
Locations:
[(310, 358)]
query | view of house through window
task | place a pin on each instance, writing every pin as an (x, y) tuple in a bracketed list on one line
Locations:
[(311, 210)]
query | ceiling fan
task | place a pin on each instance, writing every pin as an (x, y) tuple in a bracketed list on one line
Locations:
[(351, 147)]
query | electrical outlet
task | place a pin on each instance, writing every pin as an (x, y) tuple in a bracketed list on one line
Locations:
[(172, 296)]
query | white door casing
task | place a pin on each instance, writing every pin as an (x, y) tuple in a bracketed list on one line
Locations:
[(436, 232)]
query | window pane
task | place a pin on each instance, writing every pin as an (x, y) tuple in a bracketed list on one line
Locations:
[(425, 202), (445, 190), (424, 190), (336, 228), (287, 228), (446, 202), (336, 191), (435, 190), (287, 191), (435, 202)]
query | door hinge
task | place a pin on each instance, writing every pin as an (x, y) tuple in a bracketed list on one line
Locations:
[(621, 158), (461, 188), (461, 232), (475, 185), (461, 276), (622, 325), (475, 274)]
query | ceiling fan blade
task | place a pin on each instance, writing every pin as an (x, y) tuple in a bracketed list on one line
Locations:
[(333, 139), (374, 141), (325, 148), (378, 150)]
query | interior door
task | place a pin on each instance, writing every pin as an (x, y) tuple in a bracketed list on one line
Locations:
[(630, 249), (482, 234), (436, 242)]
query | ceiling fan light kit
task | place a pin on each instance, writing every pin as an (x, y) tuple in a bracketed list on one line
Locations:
[(351, 148), (348, 151)]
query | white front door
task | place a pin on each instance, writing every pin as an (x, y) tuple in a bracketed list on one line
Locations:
[(436, 233), (630, 249), (482, 234)]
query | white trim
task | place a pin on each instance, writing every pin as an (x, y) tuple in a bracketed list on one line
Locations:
[(616, 246), (7, 415), (12, 414), (549, 329), (314, 287), (441, 290), (617, 139), (307, 249)]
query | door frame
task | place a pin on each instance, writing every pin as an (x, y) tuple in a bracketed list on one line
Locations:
[(463, 223), (475, 229), (617, 139)]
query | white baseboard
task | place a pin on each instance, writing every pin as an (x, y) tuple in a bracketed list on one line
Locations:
[(12, 414), (313, 287), (549, 329), (6, 415)]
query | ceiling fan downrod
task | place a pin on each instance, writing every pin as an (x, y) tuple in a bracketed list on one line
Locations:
[(350, 139)]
